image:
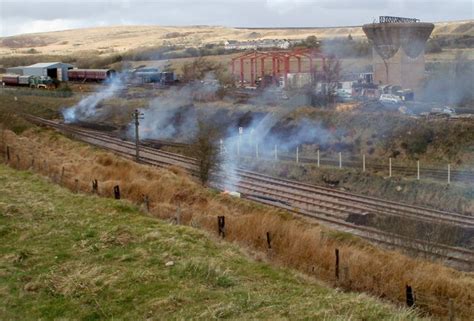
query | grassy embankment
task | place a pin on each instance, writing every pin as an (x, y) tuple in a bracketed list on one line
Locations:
[(296, 243), (43, 106), (73, 256)]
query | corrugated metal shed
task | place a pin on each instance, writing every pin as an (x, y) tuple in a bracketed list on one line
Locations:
[(15, 70), (49, 65), (56, 70)]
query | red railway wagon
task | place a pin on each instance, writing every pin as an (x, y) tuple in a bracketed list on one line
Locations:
[(90, 74), (10, 79)]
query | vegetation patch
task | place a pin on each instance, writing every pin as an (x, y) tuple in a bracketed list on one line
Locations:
[(71, 256), (296, 243)]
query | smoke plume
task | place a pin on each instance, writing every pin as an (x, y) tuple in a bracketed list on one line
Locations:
[(88, 106)]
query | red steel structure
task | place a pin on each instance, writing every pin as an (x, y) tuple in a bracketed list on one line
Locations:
[(281, 62)]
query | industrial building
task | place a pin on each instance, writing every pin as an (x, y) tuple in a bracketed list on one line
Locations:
[(275, 66), (54, 70), (398, 51), (257, 44)]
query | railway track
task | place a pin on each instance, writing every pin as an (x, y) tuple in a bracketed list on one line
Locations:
[(456, 175), (324, 204)]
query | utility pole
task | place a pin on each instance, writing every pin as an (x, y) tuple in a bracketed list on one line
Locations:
[(137, 115)]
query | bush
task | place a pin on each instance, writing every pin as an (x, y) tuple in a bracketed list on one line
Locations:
[(205, 149), (32, 51), (416, 140)]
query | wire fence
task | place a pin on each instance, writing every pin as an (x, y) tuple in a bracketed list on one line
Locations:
[(339, 273), (390, 168)]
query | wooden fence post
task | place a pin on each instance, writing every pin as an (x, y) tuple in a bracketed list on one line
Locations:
[(337, 264), (410, 299), (146, 200), (178, 215), (221, 226), (95, 186), (449, 174), (418, 170), (390, 167), (269, 241), (8, 153), (62, 175), (76, 187), (17, 161), (117, 192)]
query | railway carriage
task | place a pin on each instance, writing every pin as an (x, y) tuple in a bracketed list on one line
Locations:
[(10, 80), (90, 74)]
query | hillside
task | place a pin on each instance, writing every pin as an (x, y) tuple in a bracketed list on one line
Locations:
[(299, 244), (107, 40), (72, 256)]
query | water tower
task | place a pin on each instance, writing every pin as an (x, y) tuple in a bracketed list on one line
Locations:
[(398, 50)]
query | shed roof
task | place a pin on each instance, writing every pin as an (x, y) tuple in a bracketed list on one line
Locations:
[(47, 64)]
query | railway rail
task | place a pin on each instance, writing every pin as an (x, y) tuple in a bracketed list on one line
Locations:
[(456, 175), (324, 204)]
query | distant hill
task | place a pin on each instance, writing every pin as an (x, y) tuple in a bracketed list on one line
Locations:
[(108, 40)]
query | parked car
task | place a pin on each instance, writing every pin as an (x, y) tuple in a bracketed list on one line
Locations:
[(390, 99), (343, 95), (444, 111)]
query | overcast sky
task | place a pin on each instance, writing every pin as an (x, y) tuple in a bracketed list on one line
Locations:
[(26, 16)]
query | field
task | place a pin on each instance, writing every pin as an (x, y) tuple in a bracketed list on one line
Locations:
[(73, 256), (119, 39)]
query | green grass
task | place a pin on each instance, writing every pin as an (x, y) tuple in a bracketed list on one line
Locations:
[(68, 256), (42, 106)]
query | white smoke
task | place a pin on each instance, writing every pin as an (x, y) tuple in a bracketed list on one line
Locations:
[(173, 114), (260, 138), (87, 107)]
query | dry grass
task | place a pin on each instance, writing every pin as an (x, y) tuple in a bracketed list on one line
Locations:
[(295, 243), (118, 39), (66, 256)]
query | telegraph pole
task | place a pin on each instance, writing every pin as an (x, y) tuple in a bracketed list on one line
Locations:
[(137, 115)]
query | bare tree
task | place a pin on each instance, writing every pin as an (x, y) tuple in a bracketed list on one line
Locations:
[(205, 149), (331, 77), (201, 68), (197, 69), (324, 82)]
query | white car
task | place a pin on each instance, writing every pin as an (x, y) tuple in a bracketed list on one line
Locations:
[(446, 110), (390, 99)]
